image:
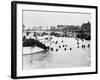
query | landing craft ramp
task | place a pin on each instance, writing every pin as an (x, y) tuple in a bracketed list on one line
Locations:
[(33, 46)]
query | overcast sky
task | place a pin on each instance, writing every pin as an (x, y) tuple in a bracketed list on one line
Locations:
[(34, 18)]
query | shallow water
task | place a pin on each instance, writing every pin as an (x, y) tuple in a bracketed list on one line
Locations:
[(76, 57)]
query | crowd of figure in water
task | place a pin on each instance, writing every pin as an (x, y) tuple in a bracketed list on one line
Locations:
[(49, 42)]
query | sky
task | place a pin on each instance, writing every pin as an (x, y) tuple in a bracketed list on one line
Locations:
[(38, 18)]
